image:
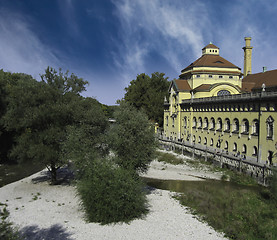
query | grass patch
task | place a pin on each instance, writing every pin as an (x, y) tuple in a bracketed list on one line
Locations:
[(168, 158), (239, 212)]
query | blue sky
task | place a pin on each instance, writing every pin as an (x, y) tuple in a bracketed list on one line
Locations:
[(110, 42)]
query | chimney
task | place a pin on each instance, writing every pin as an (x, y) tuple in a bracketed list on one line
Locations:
[(264, 69), (247, 57)]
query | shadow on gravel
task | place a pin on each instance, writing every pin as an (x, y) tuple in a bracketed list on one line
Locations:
[(64, 176), (55, 232)]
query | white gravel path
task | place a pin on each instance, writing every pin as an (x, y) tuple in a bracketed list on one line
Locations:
[(53, 212)]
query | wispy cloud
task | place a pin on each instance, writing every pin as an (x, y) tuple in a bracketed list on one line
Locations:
[(164, 27), (178, 30), (20, 48)]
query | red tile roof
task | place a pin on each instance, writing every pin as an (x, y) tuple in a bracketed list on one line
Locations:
[(182, 85), (256, 80), (210, 46), (208, 60)]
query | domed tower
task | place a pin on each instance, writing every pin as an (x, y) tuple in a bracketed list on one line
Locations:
[(211, 75)]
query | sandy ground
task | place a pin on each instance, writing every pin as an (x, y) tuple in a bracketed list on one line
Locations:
[(53, 212)]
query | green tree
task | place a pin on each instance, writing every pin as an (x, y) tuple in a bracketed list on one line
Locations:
[(7, 80), (39, 113), (86, 139), (132, 139), (148, 93)]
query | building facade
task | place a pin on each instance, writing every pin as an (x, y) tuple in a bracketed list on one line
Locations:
[(215, 105)]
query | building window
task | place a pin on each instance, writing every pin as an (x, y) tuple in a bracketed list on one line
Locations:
[(219, 124), (245, 126), (212, 142), (220, 76), (231, 77), (227, 125), (244, 149), (166, 120), (173, 122), (185, 122), (198, 76), (226, 146), (193, 138), (255, 151), (212, 124), (199, 139), (205, 141), (223, 93), (255, 127), (236, 126), (269, 127), (199, 122), (206, 123), (194, 122), (210, 76), (270, 157), (235, 147)]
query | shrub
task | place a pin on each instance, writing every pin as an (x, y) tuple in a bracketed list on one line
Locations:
[(111, 194), (7, 232)]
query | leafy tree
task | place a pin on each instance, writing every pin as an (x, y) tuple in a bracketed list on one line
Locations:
[(39, 113), (86, 138), (132, 138), (7, 80), (148, 93)]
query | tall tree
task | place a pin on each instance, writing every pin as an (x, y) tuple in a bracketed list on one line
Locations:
[(132, 139), (148, 93), (39, 112)]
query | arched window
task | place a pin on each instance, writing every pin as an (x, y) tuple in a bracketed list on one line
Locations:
[(244, 149), (245, 126), (270, 157), (185, 122), (194, 122), (212, 124), (166, 120), (269, 127), (219, 124), (206, 123), (205, 141), (223, 93), (212, 142), (255, 127), (193, 138), (235, 125), (173, 122), (235, 147), (199, 122), (199, 139), (227, 126), (226, 146), (255, 151)]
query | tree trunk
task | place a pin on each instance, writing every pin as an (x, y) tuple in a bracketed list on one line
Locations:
[(53, 172)]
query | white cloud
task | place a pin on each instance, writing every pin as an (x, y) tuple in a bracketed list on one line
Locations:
[(178, 30), (20, 48), (169, 28)]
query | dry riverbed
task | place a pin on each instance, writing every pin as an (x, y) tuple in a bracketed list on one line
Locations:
[(53, 212)]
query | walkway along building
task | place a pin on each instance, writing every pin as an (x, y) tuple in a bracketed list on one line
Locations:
[(214, 106)]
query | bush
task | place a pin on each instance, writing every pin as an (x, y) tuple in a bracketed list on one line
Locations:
[(7, 232), (111, 194)]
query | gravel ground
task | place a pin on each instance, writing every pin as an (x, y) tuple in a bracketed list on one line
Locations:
[(53, 212)]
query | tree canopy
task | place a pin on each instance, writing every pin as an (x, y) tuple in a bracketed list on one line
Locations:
[(39, 113), (148, 93)]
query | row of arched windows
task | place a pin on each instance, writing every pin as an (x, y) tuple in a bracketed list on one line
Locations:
[(218, 125), (218, 144)]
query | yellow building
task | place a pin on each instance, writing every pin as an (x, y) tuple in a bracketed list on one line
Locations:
[(211, 106)]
